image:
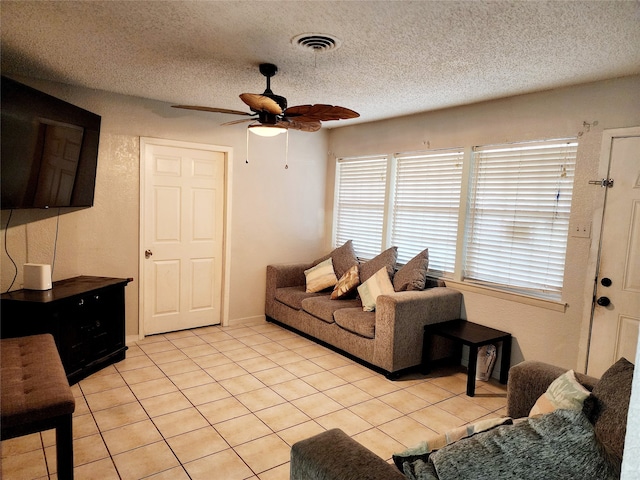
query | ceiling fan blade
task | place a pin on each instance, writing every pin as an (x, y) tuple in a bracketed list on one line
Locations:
[(235, 122), (211, 109), (319, 112), (261, 103), (303, 126)]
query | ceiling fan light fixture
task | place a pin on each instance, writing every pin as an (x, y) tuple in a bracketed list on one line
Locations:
[(266, 131)]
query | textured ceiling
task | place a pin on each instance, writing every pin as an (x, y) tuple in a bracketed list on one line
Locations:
[(395, 58)]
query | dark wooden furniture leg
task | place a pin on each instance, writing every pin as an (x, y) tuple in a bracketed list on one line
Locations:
[(505, 364), (471, 370), (425, 368), (64, 447)]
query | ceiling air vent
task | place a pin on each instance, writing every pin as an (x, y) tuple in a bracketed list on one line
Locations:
[(316, 42)]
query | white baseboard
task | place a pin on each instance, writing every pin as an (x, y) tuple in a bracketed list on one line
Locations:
[(247, 320), (132, 339)]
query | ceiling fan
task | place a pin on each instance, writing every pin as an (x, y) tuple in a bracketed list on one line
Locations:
[(270, 110)]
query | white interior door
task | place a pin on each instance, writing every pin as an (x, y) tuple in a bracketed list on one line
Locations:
[(183, 235), (616, 313)]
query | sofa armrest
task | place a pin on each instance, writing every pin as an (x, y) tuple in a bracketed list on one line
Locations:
[(400, 321), (286, 274), (282, 275), (530, 379), (333, 455)]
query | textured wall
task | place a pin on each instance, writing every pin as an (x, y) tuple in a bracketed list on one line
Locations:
[(277, 214), (540, 333)]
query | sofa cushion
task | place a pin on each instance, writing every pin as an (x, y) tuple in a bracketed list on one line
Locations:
[(386, 259), (293, 296), (377, 284), (343, 257), (413, 274), (612, 394), (357, 321), (322, 307), (320, 277), (564, 392), (347, 285)]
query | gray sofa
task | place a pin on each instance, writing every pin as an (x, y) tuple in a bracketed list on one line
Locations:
[(332, 455), (389, 338)]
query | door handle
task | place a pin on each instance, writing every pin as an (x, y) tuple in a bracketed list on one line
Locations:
[(147, 253), (603, 301)]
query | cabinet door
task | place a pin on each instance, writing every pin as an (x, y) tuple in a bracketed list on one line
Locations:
[(74, 325), (105, 311)]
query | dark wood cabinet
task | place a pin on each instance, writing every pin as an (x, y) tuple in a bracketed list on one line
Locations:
[(85, 315)]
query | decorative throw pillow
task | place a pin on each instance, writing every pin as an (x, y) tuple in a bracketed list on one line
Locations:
[(612, 394), (343, 257), (413, 274), (423, 450), (347, 284), (377, 284), (320, 277), (386, 259), (564, 392)]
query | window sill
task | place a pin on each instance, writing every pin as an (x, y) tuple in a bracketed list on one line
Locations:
[(554, 305)]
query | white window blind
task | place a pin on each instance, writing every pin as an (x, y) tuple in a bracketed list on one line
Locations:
[(360, 203), (518, 217), (425, 207)]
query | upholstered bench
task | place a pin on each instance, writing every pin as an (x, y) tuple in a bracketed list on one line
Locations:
[(35, 394)]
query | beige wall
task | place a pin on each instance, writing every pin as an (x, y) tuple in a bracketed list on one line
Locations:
[(283, 215), (277, 215), (540, 333)]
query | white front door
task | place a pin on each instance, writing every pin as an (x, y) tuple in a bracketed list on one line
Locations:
[(616, 311), (183, 212)]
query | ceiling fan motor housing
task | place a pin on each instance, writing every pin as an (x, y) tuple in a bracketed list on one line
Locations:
[(269, 70)]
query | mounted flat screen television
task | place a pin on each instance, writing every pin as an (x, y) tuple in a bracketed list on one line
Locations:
[(48, 150)]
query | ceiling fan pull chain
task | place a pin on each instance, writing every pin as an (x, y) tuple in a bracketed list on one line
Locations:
[(247, 159), (286, 153)]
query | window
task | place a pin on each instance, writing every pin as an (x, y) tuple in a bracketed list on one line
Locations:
[(518, 218), (425, 192), (510, 231), (425, 207), (361, 185)]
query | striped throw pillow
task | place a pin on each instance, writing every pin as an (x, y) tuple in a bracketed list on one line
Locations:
[(378, 284), (320, 277)]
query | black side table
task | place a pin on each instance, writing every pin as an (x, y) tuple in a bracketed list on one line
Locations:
[(474, 336)]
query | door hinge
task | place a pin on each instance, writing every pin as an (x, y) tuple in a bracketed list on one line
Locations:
[(605, 182)]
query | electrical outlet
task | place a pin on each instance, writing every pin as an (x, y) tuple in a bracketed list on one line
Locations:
[(581, 230)]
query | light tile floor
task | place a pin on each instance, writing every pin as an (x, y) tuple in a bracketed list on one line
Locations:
[(229, 402)]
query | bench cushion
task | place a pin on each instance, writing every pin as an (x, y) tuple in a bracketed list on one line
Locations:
[(33, 383)]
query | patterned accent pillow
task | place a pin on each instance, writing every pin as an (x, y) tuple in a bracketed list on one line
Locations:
[(378, 284), (413, 274), (564, 392), (320, 277), (347, 284)]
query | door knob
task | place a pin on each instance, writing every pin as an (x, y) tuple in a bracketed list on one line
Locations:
[(147, 253), (603, 301), (606, 282)]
